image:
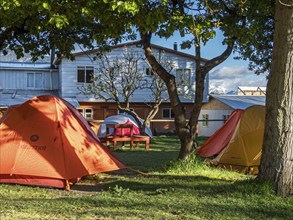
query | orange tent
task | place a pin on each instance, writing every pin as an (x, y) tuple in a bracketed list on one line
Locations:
[(46, 142)]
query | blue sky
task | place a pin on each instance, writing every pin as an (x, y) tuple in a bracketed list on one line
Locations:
[(228, 75)]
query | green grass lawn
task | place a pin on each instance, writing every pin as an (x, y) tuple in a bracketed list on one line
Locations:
[(170, 190)]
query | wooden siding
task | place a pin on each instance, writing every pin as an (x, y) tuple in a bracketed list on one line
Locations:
[(215, 104), (68, 72), (103, 110)]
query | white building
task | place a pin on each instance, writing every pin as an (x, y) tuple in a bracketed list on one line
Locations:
[(71, 71), (214, 113), (250, 90), (20, 81)]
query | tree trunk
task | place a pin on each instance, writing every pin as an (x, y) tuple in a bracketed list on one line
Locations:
[(277, 154), (185, 129), (181, 125)]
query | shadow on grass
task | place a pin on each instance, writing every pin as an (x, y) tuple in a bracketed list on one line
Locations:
[(199, 184), (162, 151), (179, 195), (146, 161)]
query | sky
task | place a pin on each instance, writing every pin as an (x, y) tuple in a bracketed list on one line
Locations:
[(227, 76)]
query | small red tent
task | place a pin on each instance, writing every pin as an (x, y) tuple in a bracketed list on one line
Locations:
[(46, 142)]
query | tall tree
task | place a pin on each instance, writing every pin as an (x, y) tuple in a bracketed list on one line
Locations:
[(200, 19), (107, 21), (277, 155)]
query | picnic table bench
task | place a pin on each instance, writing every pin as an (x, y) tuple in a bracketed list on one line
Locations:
[(120, 134)]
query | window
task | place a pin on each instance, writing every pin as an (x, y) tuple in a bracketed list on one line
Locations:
[(225, 118), (168, 113), (183, 76), (149, 72), (122, 112), (85, 74), (87, 113), (205, 118), (34, 80)]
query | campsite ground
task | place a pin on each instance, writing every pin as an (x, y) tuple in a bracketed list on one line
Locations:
[(170, 190)]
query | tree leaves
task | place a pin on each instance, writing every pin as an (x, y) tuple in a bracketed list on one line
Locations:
[(64, 23), (46, 6), (59, 21)]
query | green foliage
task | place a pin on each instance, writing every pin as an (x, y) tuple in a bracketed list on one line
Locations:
[(159, 195), (118, 190), (164, 190), (62, 24), (59, 20), (59, 24)]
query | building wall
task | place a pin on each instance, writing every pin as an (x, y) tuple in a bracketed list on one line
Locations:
[(159, 125), (209, 127), (68, 72), (215, 111), (214, 104), (17, 79)]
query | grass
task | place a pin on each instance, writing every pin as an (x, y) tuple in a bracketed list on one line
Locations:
[(171, 190)]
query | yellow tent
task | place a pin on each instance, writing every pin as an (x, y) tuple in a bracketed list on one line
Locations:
[(243, 152)]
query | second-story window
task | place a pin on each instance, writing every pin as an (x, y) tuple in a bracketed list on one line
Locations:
[(183, 76), (85, 74), (34, 80), (168, 113)]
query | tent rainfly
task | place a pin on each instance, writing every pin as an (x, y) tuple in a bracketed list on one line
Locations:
[(46, 142), (238, 143)]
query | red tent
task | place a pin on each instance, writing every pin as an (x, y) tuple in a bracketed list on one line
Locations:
[(46, 142), (219, 140)]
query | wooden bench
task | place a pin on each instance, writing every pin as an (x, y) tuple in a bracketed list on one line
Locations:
[(139, 138), (118, 138), (115, 138)]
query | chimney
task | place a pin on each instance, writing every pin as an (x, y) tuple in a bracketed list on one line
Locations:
[(175, 46)]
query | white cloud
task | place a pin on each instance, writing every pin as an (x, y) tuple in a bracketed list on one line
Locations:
[(228, 72), (229, 78)]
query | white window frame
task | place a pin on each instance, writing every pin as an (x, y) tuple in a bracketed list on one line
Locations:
[(85, 69), (169, 114), (34, 80), (183, 76), (84, 113)]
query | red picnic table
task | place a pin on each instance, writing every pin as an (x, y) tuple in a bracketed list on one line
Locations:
[(123, 133)]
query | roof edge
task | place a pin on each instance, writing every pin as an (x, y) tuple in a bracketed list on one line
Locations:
[(131, 44)]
